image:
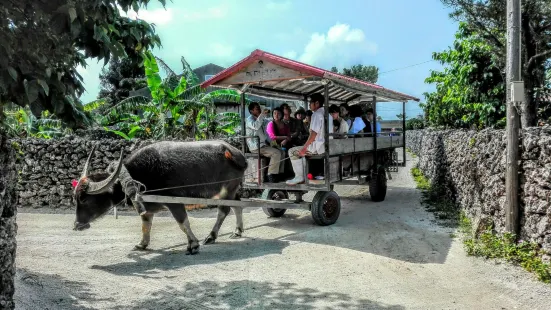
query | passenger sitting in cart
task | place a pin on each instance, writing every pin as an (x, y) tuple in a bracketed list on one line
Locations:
[(358, 123), (345, 109), (370, 119), (278, 131), (256, 125), (340, 126), (299, 134), (307, 120), (315, 145)]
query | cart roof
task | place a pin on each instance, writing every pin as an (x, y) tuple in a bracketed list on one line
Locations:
[(271, 75)]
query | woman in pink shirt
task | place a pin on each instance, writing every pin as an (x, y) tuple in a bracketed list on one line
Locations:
[(278, 131)]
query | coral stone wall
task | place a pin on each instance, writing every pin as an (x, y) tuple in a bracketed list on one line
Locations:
[(8, 226), (471, 165)]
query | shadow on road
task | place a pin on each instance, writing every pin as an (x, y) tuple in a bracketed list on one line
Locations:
[(397, 228), (145, 265), (252, 295), (35, 290)]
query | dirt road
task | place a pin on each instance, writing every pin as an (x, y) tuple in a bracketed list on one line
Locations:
[(385, 255)]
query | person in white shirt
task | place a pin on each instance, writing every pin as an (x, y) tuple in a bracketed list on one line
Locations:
[(339, 124), (345, 109), (315, 144)]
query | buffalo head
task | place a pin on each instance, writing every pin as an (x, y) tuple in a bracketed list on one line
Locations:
[(95, 193)]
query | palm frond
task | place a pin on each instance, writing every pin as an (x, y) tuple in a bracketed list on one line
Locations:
[(48, 122), (192, 91), (188, 73), (223, 95), (94, 105), (165, 67), (129, 105), (171, 82)]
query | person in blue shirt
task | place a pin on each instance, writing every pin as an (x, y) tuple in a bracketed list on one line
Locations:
[(356, 116)]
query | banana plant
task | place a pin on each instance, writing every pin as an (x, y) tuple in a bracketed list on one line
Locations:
[(21, 123), (210, 124), (174, 106)]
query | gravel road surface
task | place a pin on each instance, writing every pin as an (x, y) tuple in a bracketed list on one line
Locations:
[(387, 255)]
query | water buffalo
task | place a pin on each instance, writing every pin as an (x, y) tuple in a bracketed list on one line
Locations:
[(164, 165)]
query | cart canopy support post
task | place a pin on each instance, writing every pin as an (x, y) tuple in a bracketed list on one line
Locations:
[(375, 133), (326, 144), (243, 121), (404, 133)]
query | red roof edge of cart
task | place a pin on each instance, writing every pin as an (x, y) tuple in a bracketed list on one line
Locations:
[(295, 65)]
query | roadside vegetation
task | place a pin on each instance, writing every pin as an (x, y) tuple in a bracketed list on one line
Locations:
[(483, 241)]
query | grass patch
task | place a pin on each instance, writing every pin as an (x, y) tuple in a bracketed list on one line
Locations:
[(421, 181), (435, 200), (492, 246), (486, 244), (413, 155)]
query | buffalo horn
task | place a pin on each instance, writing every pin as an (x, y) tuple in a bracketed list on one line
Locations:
[(87, 164), (95, 188)]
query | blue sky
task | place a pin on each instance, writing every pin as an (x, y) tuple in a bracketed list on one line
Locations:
[(390, 34)]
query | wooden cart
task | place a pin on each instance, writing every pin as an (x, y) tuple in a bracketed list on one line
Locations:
[(370, 156)]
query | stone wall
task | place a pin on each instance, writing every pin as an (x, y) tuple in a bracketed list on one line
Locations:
[(46, 167), (8, 226), (471, 166)]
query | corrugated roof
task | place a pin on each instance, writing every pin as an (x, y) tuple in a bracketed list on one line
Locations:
[(341, 88)]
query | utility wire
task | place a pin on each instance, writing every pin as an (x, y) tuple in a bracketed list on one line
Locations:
[(406, 67)]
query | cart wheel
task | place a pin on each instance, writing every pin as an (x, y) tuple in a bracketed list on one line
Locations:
[(326, 208), (274, 194), (377, 185)]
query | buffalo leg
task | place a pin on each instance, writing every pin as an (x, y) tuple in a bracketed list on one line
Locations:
[(239, 223), (180, 215), (223, 212), (147, 222)]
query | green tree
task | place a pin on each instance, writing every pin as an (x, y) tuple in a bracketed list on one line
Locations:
[(365, 73), (471, 89), (122, 76), (488, 19), (43, 42), (415, 123)]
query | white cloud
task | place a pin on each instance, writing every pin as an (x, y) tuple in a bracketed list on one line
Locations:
[(278, 5), (291, 55), (341, 46), (210, 13), (157, 16)]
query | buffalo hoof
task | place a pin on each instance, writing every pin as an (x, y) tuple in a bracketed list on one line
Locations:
[(140, 247), (192, 250), (235, 235), (210, 239)]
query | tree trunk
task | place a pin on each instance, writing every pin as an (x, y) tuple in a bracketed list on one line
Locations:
[(529, 113), (528, 109), (194, 124), (8, 227)]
